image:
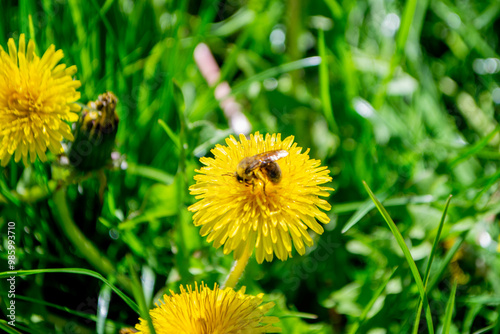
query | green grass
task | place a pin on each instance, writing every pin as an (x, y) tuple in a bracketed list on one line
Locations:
[(402, 117)]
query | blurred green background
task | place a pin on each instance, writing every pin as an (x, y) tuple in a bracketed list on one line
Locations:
[(401, 94)]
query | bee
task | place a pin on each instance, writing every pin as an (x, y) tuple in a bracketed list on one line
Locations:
[(260, 167)]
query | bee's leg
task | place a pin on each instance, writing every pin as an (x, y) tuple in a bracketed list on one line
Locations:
[(263, 180)]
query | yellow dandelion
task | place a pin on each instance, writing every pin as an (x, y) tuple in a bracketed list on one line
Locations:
[(37, 96), (207, 311), (257, 207)]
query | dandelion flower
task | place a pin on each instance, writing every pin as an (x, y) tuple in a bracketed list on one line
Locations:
[(37, 97), (206, 311), (263, 215)]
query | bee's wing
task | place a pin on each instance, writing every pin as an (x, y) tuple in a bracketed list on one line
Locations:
[(270, 156)]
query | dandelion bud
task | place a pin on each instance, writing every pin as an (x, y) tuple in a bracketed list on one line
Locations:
[(95, 134)]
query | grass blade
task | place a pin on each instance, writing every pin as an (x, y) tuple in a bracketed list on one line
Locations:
[(429, 263), (402, 37), (83, 315), (470, 316), (324, 84), (4, 325), (399, 201), (449, 310), (406, 252), (472, 150), (436, 241), (484, 330), (139, 294), (449, 256), (79, 271), (369, 306), (103, 309), (175, 139), (363, 209), (150, 173)]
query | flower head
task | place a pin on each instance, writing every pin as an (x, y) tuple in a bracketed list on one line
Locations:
[(206, 311), (263, 208), (37, 96)]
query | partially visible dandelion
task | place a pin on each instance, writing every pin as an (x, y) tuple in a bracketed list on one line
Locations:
[(263, 215), (37, 96), (207, 311)]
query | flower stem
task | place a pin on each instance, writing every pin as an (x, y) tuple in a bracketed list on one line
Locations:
[(237, 269), (85, 247)]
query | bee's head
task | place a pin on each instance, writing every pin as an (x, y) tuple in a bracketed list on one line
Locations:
[(239, 174), (244, 170)]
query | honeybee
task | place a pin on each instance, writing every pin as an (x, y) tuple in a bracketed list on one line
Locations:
[(260, 167)]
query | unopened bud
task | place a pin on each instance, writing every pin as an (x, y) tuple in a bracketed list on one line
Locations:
[(95, 134)]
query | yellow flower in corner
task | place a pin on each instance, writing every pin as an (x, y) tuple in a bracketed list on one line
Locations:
[(37, 96), (204, 311), (260, 193)]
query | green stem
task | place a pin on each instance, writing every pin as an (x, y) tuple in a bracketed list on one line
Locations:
[(183, 253), (237, 270), (85, 247)]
